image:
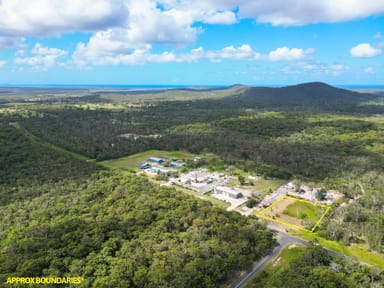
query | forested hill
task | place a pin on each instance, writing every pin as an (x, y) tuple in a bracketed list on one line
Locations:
[(312, 90), (312, 96)]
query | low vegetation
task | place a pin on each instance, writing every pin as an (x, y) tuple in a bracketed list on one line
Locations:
[(304, 211)]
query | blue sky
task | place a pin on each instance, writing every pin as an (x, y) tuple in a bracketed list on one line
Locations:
[(185, 42)]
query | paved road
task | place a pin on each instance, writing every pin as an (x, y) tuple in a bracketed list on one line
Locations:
[(283, 240), (276, 195)]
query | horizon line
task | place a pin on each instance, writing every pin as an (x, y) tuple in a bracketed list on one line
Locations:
[(175, 86)]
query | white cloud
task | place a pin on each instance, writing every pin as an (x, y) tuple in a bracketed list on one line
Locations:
[(40, 50), (114, 53), (7, 42), (148, 24), (286, 12), (220, 17), (289, 54), (315, 69), (22, 18), (42, 18), (2, 63), (83, 56), (369, 70), (364, 50), (125, 21), (244, 52), (301, 12), (336, 69), (121, 26), (281, 12), (52, 17), (42, 58)]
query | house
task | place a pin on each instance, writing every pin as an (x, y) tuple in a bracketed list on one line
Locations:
[(321, 194), (290, 185), (145, 166), (161, 170), (156, 160), (176, 164), (201, 187), (228, 192)]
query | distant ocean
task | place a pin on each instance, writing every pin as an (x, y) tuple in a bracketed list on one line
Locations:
[(159, 87), (108, 86)]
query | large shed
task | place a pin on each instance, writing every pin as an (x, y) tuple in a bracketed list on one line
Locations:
[(161, 170), (228, 192), (156, 160), (145, 166)]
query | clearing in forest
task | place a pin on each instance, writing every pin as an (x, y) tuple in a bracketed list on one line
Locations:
[(295, 213), (134, 161)]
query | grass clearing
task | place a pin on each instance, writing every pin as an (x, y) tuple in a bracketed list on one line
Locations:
[(134, 161), (96, 106), (304, 211), (295, 213), (264, 185), (359, 252), (8, 111), (362, 254)]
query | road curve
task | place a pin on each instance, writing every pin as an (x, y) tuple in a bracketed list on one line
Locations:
[(282, 240)]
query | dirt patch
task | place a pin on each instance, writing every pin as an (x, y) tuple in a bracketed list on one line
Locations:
[(277, 209), (276, 262)]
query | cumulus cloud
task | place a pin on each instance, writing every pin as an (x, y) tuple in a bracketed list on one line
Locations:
[(52, 17), (86, 55), (42, 58), (219, 17), (40, 50), (133, 24), (148, 24), (289, 54), (83, 56), (42, 18), (244, 52), (10, 42), (336, 69), (316, 69), (282, 12), (364, 50), (301, 12)]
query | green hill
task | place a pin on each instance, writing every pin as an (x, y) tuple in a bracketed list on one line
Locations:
[(315, 96)]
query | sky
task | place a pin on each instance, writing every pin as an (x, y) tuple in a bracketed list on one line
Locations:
[(191, 42)]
